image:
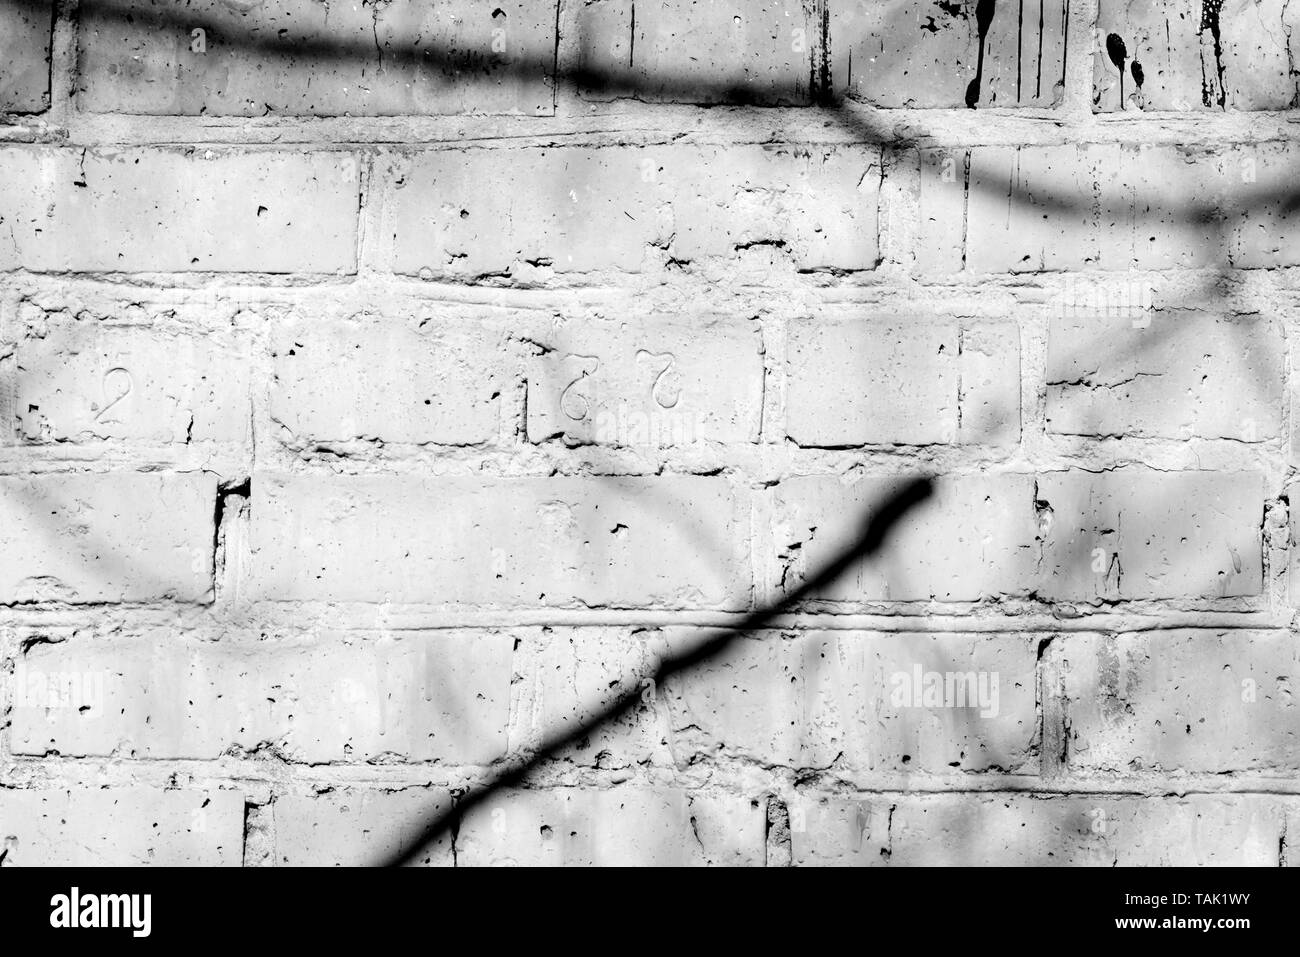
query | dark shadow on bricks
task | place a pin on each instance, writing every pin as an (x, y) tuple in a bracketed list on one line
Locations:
[(871, 538)]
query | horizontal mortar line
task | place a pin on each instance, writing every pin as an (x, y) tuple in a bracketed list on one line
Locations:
[(1165, 787), (278, 287), (416, 132), (376, 458), (692, 121), (823, 280), (63, 771), (1030, 289), (431, 470), (383, 618), (170, 284)]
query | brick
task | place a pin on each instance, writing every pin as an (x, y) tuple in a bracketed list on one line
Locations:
[(1024, 830), (1137, 533), (1174, 43), (1015, 830), (677, 541), (942, 205), (146, 210), (925, 55), (901, 382), (1194, 701), (563, 677), (357, 827), (975, 537), (82, 381), (106, 537), (1288, 853), (26, 31), (839, 833), (1289, 533), (860, 701), (1257, 199), (1124, 371), (439, 383), (818, 205), (647, 382), (1024, 210), (454, 213), (989, 401), (1057, 208), (1095, 831), (122, 827), (618, 827), (1127, 534), (1163, 207), (747, 700), (299, 57), (421, 697), (686, 51)]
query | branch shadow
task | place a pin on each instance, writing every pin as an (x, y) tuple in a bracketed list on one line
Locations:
[(871, 538)]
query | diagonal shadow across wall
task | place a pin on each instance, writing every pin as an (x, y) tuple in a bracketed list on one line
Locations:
[(873, 532)]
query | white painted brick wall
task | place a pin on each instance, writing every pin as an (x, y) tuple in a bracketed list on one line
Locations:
[(386, 394)]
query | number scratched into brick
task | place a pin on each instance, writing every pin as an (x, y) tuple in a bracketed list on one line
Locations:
[(571, 400), (664, 390), (116, 385)]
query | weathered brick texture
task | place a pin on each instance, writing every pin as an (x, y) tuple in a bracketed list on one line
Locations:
[(1029, 831), (1111, 206), (852, 383), (648, 826), (681, 51), (1180, 701), (146, 210), (611, 209), (300, 57), (524, 541), (159, 698), (162, 827), (388, 390), (26, 33), (1180, 55), (919, 53), (106, 537)]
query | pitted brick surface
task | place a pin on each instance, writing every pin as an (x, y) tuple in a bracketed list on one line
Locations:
[(388, 390)]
